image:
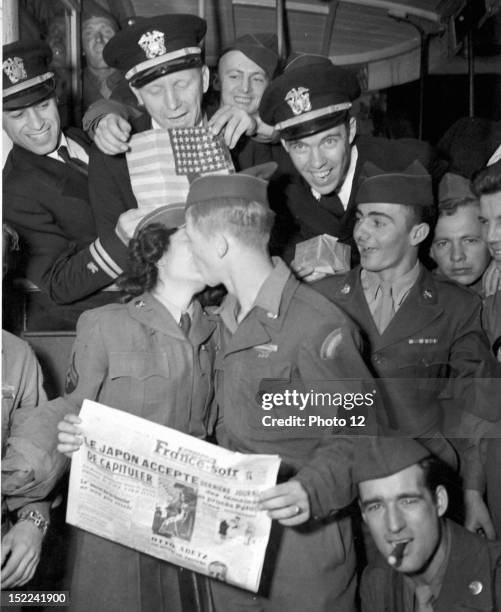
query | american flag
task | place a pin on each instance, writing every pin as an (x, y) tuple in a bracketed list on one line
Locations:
[(163, 163)]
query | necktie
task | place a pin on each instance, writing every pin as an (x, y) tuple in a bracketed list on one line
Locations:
[(424, 598), (384, 310), (74, 162), (185, 323)]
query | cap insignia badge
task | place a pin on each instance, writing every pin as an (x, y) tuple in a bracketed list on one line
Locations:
[(153, 44), (14, 69), (299, 100)]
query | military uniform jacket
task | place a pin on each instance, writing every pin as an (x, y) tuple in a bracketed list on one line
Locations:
[(301, 342), (298, 341), (134, 357), (435, 335), (47, 202), (472, 580), (434, 359), (300, 216), (28, 473)]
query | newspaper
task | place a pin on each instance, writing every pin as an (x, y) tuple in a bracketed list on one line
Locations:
[(171, 495)]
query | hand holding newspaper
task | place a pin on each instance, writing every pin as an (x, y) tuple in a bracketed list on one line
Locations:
[(170, 495)]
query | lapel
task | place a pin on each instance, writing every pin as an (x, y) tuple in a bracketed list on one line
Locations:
[(419, 309), (203, 326), (53, 173), (469, 566)]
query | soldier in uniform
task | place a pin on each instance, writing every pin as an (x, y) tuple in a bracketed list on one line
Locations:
[(45, 195), (458, 248), (427, 562), (276, 335), (309, 106), (424, 336)]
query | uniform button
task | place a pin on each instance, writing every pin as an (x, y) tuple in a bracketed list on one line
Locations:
[(271, 315), (475, 587), (379, 359), (203, 347)]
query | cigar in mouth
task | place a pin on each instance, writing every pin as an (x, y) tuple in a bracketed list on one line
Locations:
[(397, 554)]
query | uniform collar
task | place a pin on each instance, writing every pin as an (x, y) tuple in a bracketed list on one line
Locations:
[(149, 311), (268, 298), (372, 285)]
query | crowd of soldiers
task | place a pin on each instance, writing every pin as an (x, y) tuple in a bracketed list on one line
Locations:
[(417, 318)]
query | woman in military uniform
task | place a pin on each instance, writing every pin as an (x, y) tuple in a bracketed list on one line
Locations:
[(151, 357)]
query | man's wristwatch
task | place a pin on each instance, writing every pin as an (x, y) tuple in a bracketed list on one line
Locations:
[(36, 518)]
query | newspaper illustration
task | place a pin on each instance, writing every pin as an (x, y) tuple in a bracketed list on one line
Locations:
[(171, 495)]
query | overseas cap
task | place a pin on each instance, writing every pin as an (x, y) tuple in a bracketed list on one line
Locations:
[(26, 77), (261, 48), (454, 187), (171, 215), (213, 187), (312, 95), (155, 46), (92, 9), (379, 457), (410, 187)]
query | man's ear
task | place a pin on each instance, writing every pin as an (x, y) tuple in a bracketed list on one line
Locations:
[(352, 130), (419, 233), (442, 500), (205, 78), (137, 93)]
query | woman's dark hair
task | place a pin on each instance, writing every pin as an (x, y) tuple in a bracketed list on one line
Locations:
[(144, 251)]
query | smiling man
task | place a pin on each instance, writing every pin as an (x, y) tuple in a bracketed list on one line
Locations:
[(424, 334), (309, 105), (427, 562), (45, 196)]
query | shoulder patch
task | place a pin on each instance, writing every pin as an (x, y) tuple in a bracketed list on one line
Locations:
[(331, 343)]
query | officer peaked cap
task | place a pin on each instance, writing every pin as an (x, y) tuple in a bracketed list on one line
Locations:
[(155, 46), (312, 95), (27, 79)]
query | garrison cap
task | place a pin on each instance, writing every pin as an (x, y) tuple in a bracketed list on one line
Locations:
[(27, 79), (383, 456), (454, 188), (243, 186), (261, 48), (155, 46), (312, 95), (170, 215), (92, 9), (411, 186)]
